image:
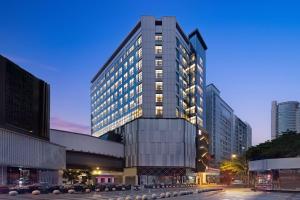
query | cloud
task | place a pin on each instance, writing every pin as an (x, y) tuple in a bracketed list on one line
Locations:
[(61, 124)]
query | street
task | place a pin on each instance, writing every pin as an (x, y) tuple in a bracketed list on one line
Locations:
[(227, 194)]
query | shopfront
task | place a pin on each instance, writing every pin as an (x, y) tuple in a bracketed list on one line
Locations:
[(210, 176)]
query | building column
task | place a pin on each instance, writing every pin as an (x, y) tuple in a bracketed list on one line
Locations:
[(3, 175)]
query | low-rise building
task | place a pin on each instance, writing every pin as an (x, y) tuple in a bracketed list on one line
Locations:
[(278, 174), (26, 155)]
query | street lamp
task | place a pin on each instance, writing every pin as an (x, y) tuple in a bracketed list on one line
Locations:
[(233, 156)]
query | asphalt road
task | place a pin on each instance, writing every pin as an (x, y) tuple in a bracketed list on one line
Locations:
[(227, 194)]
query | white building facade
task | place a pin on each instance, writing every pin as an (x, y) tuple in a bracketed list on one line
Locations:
[(152, 89)]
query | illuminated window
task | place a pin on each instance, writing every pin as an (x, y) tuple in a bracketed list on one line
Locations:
[(125, 76), (139, 40), (139, 88), (131, 71), (126, 87), (140, 100), (159, 111), (125, 65), (158, 98), (130, 49), (139, 77), (131, 60), (158, 62), (158, 73), (131, 82), (132, 104), (139, 53), (138, 65), (131, 93), (158, 37), (158, 49), (159, 86)]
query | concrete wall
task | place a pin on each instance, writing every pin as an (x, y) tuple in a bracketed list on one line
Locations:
[(148, 70), (160, 143), (86, 143), (280, 163), (22, 150)]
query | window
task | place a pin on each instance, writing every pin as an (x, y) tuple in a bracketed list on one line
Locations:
[(158, 73), (130, 49), (132, 104), (139, 65), (131, 71), (131, 93), (158, 111), (131, 82), (125, 65), (139, 53), (131, 60), (140, 100), (126, 87), (159, 86), (158, 62), (158, 49), (158, 98), (139, 40), (125, 76), (139, 88), (139, 77), (158, 37)]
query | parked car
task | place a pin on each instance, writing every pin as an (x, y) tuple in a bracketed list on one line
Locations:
[(237, 182)]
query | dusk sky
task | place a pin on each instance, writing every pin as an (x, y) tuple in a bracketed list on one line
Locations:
[(253, 54)]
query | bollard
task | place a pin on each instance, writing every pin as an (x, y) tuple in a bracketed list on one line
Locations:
[(162, 195), (153, 196), (13, 193), (56, 192), (36, 192)]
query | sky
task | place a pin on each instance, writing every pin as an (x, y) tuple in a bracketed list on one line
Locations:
[(253, 54)]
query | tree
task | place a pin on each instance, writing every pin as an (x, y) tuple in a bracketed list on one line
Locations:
[(236, 167), (71, 175), (287, 145)]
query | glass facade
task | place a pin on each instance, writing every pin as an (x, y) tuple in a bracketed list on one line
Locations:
[(116, 95), (189, 83)]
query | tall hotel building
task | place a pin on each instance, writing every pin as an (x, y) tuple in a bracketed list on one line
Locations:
[(152, 91)]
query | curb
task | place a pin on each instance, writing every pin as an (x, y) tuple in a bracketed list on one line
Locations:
[(278, 191)]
